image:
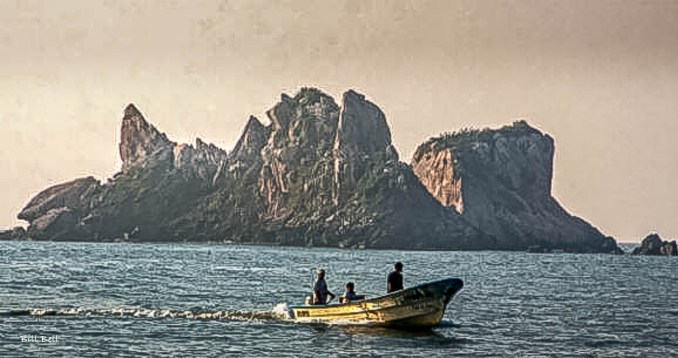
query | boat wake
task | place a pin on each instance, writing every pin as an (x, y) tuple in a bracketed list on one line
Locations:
[(278, 313)]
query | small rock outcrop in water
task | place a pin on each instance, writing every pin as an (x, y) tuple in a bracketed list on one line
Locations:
[(653, 245), (321, 174), (17, 233)]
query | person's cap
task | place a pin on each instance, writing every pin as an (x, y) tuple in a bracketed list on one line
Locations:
[(320, 269), (398, 264)]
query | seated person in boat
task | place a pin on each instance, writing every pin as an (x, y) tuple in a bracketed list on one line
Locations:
[(395, 279), (320, 291), (350, 294)]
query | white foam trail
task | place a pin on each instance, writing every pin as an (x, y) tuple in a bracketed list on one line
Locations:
[(277, 313)]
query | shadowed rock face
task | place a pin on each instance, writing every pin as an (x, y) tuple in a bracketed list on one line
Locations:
[(54, 212), (321, 174), (205, 161), (69, 194), (246, 155), (362, 134), (254, 138), (500, 181)]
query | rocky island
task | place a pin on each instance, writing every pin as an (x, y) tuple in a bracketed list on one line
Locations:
[(653, 245), (322, 174)]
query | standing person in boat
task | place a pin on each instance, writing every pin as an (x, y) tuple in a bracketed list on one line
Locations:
[(350, 294), (395, 278), (320, 291)]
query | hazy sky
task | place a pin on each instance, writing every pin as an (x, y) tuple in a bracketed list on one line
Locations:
[(601, 77)]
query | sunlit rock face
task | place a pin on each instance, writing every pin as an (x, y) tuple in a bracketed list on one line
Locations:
[(297, 157), (435, 169)]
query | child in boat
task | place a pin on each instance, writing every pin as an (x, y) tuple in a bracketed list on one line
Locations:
[(350, 294)]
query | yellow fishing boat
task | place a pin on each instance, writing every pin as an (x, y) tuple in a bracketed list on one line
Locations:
[(421, 306)]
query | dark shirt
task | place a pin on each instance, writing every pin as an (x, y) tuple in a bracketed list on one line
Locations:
[(351, 296), (395, 280), (320, 292)]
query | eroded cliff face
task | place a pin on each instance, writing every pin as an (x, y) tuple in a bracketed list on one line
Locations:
[(500, 181), (206, 162), (331, 177), (297, 157), (320, 174)]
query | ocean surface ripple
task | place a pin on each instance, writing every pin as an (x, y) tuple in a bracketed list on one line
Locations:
[(129, 300)]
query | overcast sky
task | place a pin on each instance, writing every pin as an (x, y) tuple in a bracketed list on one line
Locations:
[(601, 77)]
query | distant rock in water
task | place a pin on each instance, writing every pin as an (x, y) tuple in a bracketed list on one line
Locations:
[(321, 174), (16, 233), (653, 245)]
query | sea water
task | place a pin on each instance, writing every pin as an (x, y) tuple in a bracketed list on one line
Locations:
[(200, 300)]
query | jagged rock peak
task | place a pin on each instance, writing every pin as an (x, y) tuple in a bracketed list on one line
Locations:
[(310, 95), (133, 114), (139, 140), (353, 94), (362, 124), (254, 124), (131, 110), (209, 148), (302, 133), (253, 138), (284, 97), (202, 161), (306, 95), (362, 136), (308, 102)]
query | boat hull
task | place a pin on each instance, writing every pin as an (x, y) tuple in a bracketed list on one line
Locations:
[(421, 306)]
